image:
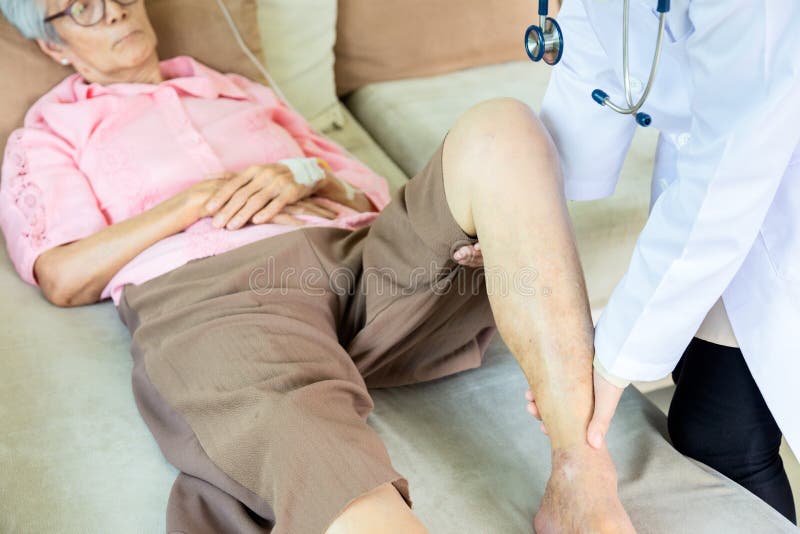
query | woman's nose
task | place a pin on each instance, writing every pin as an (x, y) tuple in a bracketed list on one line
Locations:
[(115, 12)]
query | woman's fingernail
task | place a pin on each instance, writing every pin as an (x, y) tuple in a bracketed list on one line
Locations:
[(212, 206)]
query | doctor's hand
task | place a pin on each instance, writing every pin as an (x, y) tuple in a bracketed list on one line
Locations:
[(606, 399)]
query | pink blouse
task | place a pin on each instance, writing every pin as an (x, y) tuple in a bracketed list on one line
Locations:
[(91, 155)]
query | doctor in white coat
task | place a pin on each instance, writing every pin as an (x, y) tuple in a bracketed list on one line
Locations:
[(714, 280)]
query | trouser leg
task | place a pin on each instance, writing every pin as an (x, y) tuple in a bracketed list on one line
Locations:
[(718, 416), (251, 393), (410, 312)]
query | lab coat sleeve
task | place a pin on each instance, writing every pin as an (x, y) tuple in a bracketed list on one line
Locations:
[(592, 140), (744, 73)]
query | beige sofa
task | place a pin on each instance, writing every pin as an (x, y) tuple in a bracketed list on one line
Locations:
[(75, 456)]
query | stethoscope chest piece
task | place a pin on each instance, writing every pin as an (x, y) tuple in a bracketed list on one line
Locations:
[(545, 42)]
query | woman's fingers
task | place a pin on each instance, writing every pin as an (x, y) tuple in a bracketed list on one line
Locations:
[(232, 214), (469, 255), (285, 218), (311, 208), (251, 205), (274, 207), (224, 193), (259, 194)]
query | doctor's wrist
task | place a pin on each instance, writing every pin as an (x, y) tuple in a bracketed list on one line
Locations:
[(612, 379)]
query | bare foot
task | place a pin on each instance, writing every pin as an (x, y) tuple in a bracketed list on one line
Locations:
[(581, 495)]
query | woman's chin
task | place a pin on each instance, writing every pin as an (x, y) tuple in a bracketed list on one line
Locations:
[(136, 53)]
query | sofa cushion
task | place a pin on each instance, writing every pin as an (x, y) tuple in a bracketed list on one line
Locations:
[(409, 119), (360, 144), (383, 40), (76, 456), (297, 38), (26, 73)]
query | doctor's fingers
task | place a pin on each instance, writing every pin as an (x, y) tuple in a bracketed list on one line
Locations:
[(606, 399), (531, 407), (534, 411)]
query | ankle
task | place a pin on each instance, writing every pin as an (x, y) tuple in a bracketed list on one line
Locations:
[(570, 462)]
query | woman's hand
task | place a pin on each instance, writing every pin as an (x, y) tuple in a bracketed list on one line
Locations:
[(257, 194), (201, 193), (469, 255)]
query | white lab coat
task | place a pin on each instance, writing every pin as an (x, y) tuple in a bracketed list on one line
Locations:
[(725, 210)]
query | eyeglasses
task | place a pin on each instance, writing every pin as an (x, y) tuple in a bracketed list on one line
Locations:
[(86, 12)]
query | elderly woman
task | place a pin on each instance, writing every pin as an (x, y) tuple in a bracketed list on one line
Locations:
[(240, 248)]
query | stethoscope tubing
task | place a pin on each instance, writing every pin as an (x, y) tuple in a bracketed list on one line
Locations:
[(547, 41), (633, 108)]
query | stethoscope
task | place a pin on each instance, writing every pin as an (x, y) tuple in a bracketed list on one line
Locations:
[(546, 41)]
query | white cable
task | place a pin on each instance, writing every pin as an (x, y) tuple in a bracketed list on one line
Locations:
[(249, 53), (274, 86)]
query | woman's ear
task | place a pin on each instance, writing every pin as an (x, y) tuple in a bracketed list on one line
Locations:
[(54, 50)]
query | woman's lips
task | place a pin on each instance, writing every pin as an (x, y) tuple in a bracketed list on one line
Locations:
[(134, 32)]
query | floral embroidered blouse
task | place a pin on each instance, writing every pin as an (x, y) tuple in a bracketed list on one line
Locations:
[(91, 155)]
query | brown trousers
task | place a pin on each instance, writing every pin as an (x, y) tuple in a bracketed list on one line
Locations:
[(251, 367)]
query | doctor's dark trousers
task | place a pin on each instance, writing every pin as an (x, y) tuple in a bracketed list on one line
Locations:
[(718, 417), (251, 367)]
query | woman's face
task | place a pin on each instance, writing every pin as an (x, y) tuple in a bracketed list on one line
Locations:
[(114, 48)]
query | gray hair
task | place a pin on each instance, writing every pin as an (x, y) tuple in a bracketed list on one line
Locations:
[(27, 16)]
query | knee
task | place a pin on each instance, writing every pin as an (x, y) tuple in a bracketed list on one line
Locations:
[(738, 451), (497, 131), (502, 117)]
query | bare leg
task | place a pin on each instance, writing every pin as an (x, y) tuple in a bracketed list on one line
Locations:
[(380, 511), (503, 183)]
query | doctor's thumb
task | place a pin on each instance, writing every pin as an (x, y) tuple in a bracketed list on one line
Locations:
[(606, 399), (596, 432)]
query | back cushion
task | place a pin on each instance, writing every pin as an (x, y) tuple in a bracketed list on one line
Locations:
[(297, 37), (195, 28), (379, 40)]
